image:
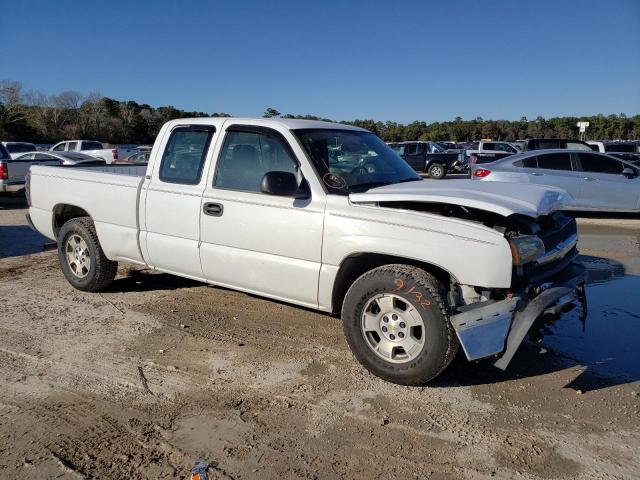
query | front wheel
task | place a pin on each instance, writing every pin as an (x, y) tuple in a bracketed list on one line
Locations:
[(394, 319), (81, 257), (436, 171)]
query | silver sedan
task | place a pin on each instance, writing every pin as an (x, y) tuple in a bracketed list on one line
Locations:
[(597, 182)]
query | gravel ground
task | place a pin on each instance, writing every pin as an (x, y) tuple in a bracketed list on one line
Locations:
[(143, 380)]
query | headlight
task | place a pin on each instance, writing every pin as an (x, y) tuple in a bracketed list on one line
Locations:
[(525, 249)]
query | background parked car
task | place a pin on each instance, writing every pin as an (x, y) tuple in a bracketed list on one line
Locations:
[(429, 157), (13, 171), (624, 150), (88, 147), (139, 157), (483, 152), (16, 149), (551, 143), (596, 181)]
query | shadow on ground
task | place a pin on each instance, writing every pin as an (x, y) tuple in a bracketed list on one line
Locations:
[(146, 280), (16, 240), (13, 201)]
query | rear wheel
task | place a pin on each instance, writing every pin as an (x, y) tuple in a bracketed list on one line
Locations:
[(81, 257), (394, 319), (436, 171)]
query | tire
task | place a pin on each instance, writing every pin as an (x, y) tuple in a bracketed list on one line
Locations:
[(77, 243), (406, 286), (436, 171)]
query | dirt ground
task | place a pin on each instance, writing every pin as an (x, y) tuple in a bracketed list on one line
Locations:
[(145, 379)]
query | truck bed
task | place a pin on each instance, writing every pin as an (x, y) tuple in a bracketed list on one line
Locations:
[(109, 194)]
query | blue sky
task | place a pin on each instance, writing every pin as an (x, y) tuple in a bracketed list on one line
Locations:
[(386, 60)]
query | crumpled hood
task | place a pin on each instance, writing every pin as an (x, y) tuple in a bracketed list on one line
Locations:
[(499, 197)]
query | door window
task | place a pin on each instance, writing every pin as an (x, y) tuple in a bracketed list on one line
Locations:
[(555, 161), (505, 147), (73, 146), (184, 155), (530, 162), (412, 149), (59, 147), (247, 156), (591, 162), (488, 146)]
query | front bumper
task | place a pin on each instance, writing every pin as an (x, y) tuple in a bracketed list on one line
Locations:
[(498, 327)]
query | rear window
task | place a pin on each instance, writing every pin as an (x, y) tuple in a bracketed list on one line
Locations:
[(578, 146), (547, 144), (620, 147), (91, 146), (555, 161), (20, 147), (4, 155)]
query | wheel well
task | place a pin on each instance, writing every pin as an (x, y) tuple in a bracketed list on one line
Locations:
[(62, 213), (358, 264)]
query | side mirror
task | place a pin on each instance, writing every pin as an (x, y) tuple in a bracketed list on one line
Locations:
[(627, 172), (284, 184)]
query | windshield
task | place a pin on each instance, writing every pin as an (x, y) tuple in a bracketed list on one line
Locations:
[(353, 161), (435, 148), (620, 147)]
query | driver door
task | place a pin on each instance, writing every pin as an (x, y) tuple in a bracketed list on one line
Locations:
[(253, 241)]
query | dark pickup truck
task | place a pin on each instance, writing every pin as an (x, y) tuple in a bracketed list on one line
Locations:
[(430, 158)]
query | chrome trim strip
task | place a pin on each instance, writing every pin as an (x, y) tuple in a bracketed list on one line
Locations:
[(559, 251)]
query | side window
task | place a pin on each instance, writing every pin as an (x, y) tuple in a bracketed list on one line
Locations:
[(44, 156), (599, 164), (412, 149), (73, 146), (555, 161), (488, 146), (530, 162), (184, 155), (505, 147), (59, 147), (594, 147), (91, 146), (247, 156), (27, 156)]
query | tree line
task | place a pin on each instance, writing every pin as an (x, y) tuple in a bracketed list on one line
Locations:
[(39, 118)]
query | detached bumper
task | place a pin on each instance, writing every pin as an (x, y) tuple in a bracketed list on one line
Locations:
[(494, 328)]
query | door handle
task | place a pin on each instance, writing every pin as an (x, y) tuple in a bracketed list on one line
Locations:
[(590, 179), (536, 174), (213, 209)]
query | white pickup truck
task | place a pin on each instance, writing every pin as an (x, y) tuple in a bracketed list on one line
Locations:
[(88, 147), (328, 217)]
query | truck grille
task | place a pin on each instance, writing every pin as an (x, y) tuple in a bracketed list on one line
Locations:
[(559, 235)]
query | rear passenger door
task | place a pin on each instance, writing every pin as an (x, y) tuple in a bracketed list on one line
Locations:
[(415, 156), (253, 241), (171, 232), (556, 169), (603, 186)]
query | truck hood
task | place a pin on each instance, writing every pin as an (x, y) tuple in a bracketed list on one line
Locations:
[(499, 197)]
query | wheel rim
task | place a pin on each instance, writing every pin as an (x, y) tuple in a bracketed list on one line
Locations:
[(77, 255), (393, 328), (436, 171)]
